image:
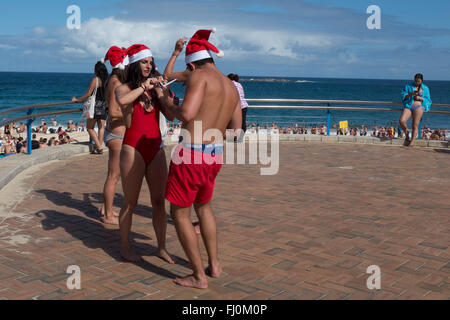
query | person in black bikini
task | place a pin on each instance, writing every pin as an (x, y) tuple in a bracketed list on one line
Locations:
[(101, 111)]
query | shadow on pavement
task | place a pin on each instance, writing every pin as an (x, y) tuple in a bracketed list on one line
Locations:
[(442, 151), (81, 228), (87, 206), (94, 235)]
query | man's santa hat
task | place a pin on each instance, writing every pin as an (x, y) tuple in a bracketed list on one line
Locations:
[(138, 52), (199, 47), (117, 57)]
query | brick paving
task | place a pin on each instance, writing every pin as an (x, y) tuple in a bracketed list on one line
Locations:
[(309, 232)]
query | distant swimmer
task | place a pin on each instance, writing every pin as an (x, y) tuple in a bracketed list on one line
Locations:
[(211, 101), (142, 152), (416, 100)]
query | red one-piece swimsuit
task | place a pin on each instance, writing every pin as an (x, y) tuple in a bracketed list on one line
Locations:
[(144, 134)]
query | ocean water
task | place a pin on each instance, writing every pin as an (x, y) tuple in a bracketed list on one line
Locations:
[(20, 89)]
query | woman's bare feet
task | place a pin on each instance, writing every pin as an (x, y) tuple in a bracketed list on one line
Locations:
[(130, 256), (192, 282), (214, 272), (407, 140), (197, 227), (163, 254), (102, 212), (112, 220)]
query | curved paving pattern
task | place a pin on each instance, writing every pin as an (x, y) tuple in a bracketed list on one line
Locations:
[(309, 232)]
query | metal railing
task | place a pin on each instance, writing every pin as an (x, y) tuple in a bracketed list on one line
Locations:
[(329, 107), (345, 105)]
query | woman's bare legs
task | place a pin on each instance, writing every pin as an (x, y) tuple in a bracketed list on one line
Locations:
[(111, 181), (417, 116), (90, 128), (132, 171), (156, 176), (406, 114), (101, 131)]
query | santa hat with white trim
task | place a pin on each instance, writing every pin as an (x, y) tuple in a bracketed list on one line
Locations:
[(199, 47), (117, 57), (138, 52)]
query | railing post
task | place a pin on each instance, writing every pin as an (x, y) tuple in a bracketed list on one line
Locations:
[(420, 130), (29, 122), (328, 120)]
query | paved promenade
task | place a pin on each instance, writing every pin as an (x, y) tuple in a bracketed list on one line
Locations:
[(309, 232)]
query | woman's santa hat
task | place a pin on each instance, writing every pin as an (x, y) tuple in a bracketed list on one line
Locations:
[(117, 57), (138, 52), (199, 47)]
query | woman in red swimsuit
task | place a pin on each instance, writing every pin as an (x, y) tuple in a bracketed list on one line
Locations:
[(142, 152)]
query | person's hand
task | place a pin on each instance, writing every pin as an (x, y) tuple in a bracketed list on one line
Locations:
[(179, 46), (150, 83), (74, 99)]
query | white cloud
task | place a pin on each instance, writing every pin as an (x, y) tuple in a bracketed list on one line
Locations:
[(97, 35), (39, 31), (67, 51), (6, 47)]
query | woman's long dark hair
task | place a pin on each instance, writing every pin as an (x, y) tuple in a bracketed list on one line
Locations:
[(134, 77), (101, 72), (122, 75)]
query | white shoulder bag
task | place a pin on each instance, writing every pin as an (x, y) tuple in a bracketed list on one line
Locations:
[(89, 105)]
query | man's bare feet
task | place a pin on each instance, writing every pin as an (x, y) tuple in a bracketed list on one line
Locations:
[(162, 253), (114, 220), (214, 272), (130, 256), (191, 282)]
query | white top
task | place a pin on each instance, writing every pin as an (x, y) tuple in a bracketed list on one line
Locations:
[(240, 90)]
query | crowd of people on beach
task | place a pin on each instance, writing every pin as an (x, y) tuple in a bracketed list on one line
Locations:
[(13, 137), (299, 128)]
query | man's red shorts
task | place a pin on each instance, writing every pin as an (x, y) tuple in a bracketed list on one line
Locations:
[(192, 176)]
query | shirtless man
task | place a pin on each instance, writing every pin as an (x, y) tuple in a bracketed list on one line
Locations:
[(212, 99)]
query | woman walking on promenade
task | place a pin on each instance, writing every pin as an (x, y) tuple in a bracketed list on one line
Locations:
[(114, 131), (142, 150), (98, 82), (416, 100), (244, 104)]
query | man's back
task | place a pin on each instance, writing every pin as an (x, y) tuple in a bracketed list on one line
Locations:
[(218, 99)]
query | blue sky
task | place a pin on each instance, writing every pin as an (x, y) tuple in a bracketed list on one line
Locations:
[(296, 38)]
